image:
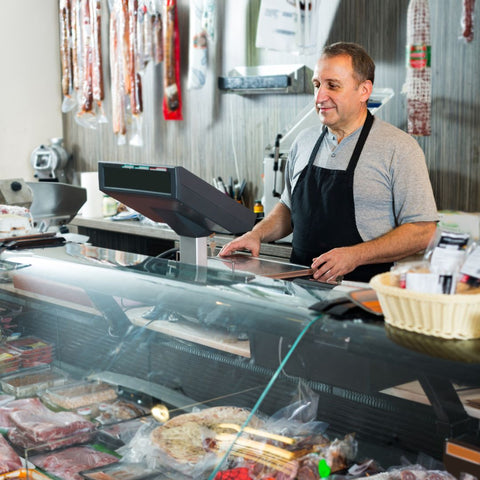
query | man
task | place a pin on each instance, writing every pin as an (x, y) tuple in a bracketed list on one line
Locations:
[(357, 194)]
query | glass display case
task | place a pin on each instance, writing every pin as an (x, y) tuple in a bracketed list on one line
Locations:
[(181, 371)]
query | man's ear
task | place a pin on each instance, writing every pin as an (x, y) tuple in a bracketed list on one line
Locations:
[(366, 89)]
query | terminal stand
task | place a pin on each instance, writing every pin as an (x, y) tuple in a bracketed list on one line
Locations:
[(193, 250)]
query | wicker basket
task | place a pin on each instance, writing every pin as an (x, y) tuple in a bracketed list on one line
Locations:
[(436, 314)]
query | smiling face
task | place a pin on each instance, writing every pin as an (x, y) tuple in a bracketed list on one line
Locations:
[(340, 98)]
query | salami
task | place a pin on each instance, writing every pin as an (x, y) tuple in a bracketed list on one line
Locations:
[(172, 102), (467, 20), (65, 50), (418, 82), (157, 38), (117, 70), (97, 70)]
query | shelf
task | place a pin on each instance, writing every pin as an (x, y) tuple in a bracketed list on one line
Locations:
[(268, 79)]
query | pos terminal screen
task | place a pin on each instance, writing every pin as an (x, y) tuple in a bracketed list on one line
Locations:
[(156, 180)]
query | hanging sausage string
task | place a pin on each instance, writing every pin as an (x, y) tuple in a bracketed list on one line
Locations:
[(135, 40)]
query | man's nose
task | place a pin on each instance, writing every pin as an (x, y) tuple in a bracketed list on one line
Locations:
[(320, 95)]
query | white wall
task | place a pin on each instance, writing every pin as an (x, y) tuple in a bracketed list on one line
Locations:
[(30, 89)]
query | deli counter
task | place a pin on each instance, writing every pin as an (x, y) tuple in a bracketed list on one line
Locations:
[(163, 339)]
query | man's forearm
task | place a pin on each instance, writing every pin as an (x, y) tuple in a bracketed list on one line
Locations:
[(276, 225), (401, 242)]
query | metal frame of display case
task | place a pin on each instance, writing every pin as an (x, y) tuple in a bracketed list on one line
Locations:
[(233, 337)]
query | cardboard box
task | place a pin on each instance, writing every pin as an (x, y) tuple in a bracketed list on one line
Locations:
[(460, 222)]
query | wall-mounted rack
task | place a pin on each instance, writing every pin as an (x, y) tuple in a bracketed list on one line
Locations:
[(268, 79)]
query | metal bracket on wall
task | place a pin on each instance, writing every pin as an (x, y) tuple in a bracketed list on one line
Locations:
[(268, 79)]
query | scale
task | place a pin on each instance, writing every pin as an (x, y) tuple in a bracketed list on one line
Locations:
[(50, 161)]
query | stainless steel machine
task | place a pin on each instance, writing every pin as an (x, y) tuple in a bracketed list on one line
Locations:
[(55, 204), (50, 161)]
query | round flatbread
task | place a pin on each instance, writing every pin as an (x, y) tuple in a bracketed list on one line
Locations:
[(188, 438)]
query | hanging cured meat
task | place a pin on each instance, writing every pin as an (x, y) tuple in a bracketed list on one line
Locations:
[(172, 100), (418, 82), (117, 28), (66, 48), (157, 38), (467, 20), (86, 96), (135, 40), (81, 57), (202, 41), (97, 66)]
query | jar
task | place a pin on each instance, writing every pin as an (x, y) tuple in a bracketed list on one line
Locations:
[(109, 207)]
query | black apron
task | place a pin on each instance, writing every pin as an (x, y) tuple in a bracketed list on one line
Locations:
[(323, 211)]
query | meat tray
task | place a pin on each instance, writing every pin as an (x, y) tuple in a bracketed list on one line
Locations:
[(33, 350), (29, 382), (120, 471), (22, 473), (80, 394), (10, 360)]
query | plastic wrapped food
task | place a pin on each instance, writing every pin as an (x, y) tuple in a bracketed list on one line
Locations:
[(68, 463), (14, 221), (172, 98), (30, 404), (418, 83), (80, 394), (46, 428), (33, 380), (9, 460), (120, 471), (9, 360), (120, 410), (33, 350)]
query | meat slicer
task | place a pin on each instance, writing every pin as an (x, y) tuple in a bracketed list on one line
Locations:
[(50, 161)]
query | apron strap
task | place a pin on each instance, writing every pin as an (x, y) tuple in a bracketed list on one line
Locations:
[(360, 143)]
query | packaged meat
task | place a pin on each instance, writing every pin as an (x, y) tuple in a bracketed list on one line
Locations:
[(80, 394), (47, 429), (119, 411), (20, 440), (172, 99), (31, 404), (9, 460), (418, 85), (31, 381), (4, 399), (67, 463), (9, 360), (33, 350), (120, 471)]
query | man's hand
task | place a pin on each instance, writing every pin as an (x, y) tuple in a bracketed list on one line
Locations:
[(334, 264), (249, 241), (402, 241), (277, 224)]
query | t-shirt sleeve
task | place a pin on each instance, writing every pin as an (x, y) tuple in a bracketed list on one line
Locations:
[(286, 197), (413, 196)]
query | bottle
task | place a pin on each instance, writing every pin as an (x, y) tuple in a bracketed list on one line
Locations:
[(258, 210)]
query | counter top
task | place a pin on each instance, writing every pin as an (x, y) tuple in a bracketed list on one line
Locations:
[(134, 227)]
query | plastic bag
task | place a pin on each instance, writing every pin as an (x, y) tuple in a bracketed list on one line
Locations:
[(172, 98)]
